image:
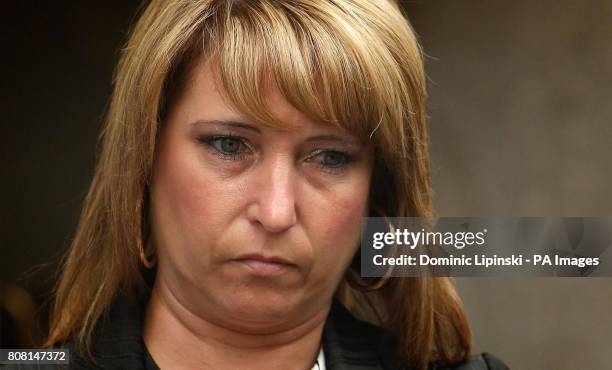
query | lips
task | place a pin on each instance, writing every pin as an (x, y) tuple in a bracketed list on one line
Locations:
[(264, 265)]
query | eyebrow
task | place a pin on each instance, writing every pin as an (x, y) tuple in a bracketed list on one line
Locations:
[(228, 124), (342, 139)]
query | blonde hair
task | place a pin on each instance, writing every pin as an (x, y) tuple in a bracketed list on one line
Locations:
[(352, 63)]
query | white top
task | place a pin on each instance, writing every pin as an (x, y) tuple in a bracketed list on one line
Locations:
[(320, 364)]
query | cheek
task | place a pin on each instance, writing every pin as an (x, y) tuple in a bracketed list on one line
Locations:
[(336, 220), (179, 190), (192, 209)]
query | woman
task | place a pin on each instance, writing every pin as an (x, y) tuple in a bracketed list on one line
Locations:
[(245, 141)]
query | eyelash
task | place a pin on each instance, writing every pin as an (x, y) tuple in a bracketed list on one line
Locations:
[(347, 159), (211, 141)]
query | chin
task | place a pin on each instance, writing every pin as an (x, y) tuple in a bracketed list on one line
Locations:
[(258, 306)]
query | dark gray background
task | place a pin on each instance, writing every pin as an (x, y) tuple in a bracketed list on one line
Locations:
[(520, 125)]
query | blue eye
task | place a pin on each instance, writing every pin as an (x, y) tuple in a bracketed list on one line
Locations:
[(227, 147), (331, 161)]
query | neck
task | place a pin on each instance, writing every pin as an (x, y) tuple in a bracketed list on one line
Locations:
[(178, 338)]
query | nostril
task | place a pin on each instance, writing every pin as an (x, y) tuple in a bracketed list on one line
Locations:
[(273, 217), (277, 218), (273, 194)]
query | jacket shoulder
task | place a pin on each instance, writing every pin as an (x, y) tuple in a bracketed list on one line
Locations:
[(349, 341), (483, 361)]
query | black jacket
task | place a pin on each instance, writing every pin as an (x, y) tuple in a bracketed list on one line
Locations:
[(348, 344)]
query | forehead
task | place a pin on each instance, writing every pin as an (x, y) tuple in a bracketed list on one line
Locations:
[(205, 97)]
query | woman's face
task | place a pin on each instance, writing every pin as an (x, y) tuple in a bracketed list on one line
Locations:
[(254, 224)]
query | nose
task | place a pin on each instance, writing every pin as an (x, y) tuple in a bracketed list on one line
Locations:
[(274, 206)]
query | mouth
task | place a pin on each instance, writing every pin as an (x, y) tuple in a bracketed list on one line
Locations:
[(265, 266)]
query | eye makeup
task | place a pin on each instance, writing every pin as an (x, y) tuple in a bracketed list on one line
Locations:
[(330, 153)]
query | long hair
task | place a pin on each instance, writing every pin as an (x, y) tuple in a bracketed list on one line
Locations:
[(351, 63)]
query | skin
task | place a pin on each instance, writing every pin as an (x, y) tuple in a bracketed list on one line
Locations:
[(223, 196)]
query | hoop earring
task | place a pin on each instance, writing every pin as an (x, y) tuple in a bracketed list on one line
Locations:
[(143, 258), (144, 231), (354, 278)]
